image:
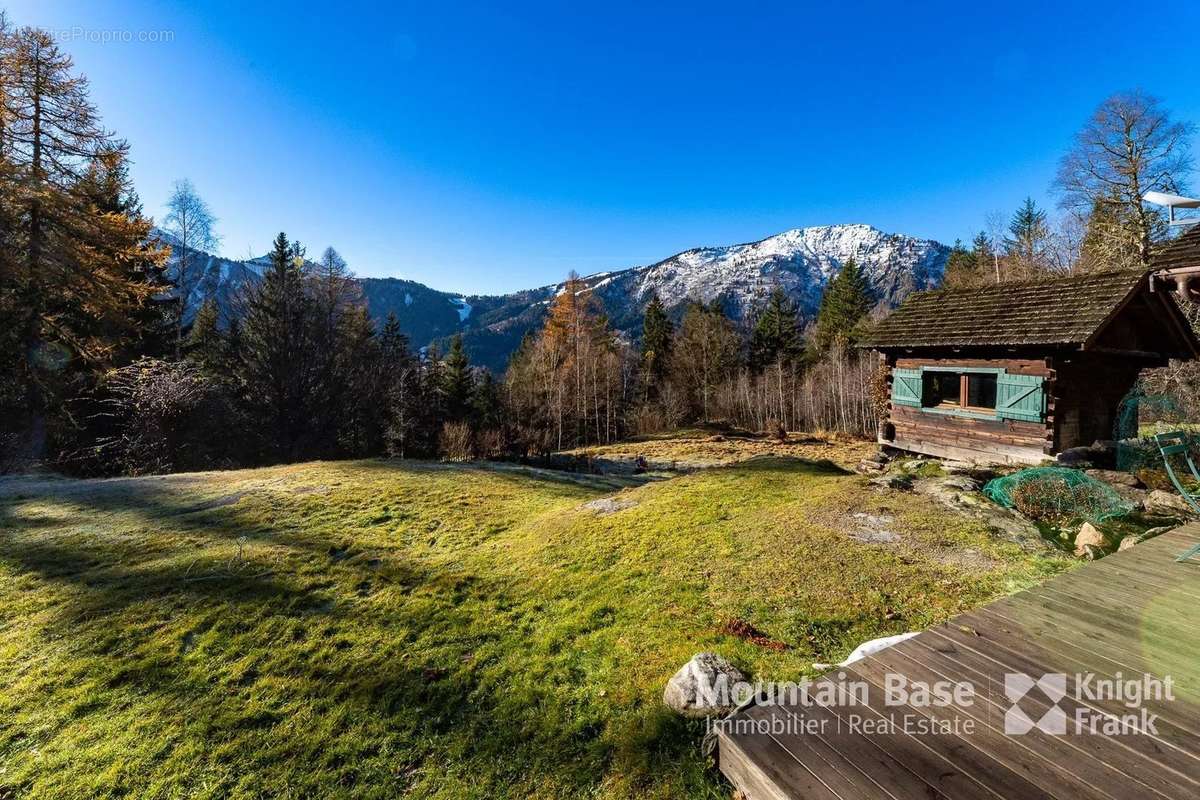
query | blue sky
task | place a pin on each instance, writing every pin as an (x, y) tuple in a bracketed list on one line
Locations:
[(490, 147)]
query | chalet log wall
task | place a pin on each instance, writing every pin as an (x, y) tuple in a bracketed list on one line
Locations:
[(969, 438)]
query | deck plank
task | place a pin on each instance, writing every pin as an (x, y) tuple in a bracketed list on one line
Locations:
[(1122, 616)]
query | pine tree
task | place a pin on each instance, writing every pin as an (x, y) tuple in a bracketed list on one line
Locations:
[(961, 268), (206, 346), (487, 406), (277, 369), (844, 307), (76, 269), (1025, 244), (986, 260), (356, 411), (776, 339), (457, 381), (657, 337)]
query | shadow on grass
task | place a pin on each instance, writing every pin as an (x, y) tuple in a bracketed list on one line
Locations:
[(791, 465), (439, 667)]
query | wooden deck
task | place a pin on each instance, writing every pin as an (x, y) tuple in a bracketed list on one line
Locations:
[(1125, 616)]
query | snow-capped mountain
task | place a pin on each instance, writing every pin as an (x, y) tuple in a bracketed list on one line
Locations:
[(739, 276), (801, 260)]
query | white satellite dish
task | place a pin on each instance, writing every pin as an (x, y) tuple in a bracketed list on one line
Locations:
[(1172, 202)]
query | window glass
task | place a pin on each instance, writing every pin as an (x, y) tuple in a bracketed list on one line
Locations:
[(940, 389), (981, 390)]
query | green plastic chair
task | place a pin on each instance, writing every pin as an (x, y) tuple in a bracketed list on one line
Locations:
[(1176, 443)]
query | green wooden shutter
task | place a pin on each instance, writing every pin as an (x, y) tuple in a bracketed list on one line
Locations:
[(1020, 397), (906, 387)]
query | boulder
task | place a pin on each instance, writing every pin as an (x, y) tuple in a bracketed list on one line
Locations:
[(1167, 504), (893, 480), (609, 505), (867, 466), (1089, 537), (1090, 552), (1115, 478), (1128, 542), (1152, 532), (1076, 457), (706, 686), (960, 493)]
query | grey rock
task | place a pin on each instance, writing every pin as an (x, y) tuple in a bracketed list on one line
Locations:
[(608, 505), (873, 529), (1115, 478), (961, 494), (1128, 542), (893, 480), (1167, 504), (706, 686)]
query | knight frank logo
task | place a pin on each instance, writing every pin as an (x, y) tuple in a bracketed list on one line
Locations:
[(1112, 706), (1051, 688)]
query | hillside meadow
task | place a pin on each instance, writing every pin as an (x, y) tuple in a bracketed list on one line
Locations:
[(382, 628)]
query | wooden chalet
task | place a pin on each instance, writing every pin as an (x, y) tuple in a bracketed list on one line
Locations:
[(1017, 373)]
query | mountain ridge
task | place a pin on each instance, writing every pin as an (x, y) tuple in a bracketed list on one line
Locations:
[(739, 276)]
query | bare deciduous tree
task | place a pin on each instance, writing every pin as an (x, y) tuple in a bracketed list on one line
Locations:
[(1130, 146), (190, 223)]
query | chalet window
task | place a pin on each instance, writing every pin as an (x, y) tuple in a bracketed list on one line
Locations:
[(992, 393), (969, 390)]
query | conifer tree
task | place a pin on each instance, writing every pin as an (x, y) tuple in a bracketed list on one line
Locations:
[(657, 338), (1026, 241), (355, 409), (843, 308), (776, 339), (457, 381), (276, 353), (206, 346), (961, 268), (487, 406), (986, 258)]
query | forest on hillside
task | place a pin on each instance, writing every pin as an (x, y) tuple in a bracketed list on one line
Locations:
[(100, 372)]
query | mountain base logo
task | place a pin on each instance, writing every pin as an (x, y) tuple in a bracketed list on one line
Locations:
[(1091, 699)]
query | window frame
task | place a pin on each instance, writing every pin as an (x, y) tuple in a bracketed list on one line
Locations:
[(961, 408)]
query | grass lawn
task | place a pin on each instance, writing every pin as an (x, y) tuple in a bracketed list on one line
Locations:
[(375, 629)]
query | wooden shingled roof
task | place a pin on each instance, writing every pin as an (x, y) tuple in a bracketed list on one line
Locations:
[(1181, 252), (1056, 312)]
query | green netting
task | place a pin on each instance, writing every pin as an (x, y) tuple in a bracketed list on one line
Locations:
[(1139, 417), (1057, 495)]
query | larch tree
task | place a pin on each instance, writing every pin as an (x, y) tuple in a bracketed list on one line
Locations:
[(78, 269), (1128, 147), (706, 354), (963, 270)]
